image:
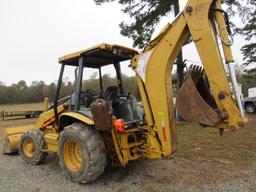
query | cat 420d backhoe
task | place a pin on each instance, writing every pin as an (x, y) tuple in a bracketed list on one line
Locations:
[(90, 127)]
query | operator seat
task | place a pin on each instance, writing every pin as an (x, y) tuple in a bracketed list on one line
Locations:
[(111, 94), (124, 107)]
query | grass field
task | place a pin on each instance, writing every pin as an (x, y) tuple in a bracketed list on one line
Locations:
[(237, 148), (22, 107)]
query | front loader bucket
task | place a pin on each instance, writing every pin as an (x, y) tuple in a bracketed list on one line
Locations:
[(194, 101), (12, 137)]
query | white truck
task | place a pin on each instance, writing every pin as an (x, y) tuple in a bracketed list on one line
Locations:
[(252, 92), (250, 101)]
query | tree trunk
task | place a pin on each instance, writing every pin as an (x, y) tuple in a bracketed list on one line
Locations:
[(179, 61)]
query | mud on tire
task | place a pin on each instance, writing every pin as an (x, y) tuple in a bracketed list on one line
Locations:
[(31, 146), (91, 160)]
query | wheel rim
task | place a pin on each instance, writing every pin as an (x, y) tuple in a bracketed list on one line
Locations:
[(29, 147), (250, 109), (72, 155)]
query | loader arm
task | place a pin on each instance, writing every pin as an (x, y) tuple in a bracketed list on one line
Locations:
[(202, 21), (12, 134)]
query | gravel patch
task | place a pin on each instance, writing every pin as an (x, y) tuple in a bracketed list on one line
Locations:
[(144, 175)]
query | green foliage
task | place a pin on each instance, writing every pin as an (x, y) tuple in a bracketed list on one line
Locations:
[(247, 12), (21, 93), (66, 89), (249, 52), (92, 83), (51, 91), (248, 80), (129, 83), (249, 31)]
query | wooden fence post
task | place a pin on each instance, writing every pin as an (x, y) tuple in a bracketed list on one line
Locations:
[(3, 114)]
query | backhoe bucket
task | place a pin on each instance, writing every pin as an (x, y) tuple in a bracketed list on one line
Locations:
[(195, 102), (12, 137)]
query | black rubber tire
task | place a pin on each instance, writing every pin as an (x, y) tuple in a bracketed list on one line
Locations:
[(92, 151), (37, 137), (250, 108)]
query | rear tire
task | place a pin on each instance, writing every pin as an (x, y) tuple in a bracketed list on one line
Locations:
[(250, 108), (31, 146), (81, 153)]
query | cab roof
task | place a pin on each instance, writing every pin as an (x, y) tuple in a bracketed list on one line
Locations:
[(99, 55)]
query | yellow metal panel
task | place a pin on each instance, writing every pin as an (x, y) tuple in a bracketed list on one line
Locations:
[(46, 103), (78, 53), (19, 129), (12, 137), (99, 46), (117, 145), (12, 143), (51, 140), (48, 115), (226, 41), (12, 134), (157, 83), (153, 147)]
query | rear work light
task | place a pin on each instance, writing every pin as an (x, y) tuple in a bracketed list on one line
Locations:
[(119, 125)]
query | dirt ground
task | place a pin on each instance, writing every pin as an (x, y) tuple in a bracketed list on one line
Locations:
[(204, 161)]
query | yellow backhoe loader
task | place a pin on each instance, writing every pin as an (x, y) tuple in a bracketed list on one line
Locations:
[(90, 127)]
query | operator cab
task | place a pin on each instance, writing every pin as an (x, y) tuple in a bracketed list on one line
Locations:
[(124, 105)]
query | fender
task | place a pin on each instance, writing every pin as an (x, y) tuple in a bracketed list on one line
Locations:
[(71, 117)]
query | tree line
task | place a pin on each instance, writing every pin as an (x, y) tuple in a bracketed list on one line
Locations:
[(20, 92)]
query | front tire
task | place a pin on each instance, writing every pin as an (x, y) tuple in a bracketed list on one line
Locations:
[(31, 147), (81, 153)]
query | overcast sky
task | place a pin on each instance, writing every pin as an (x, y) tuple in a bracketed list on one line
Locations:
[(34, 33)]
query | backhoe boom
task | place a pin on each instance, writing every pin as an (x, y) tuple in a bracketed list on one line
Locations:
[(201, 21)]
